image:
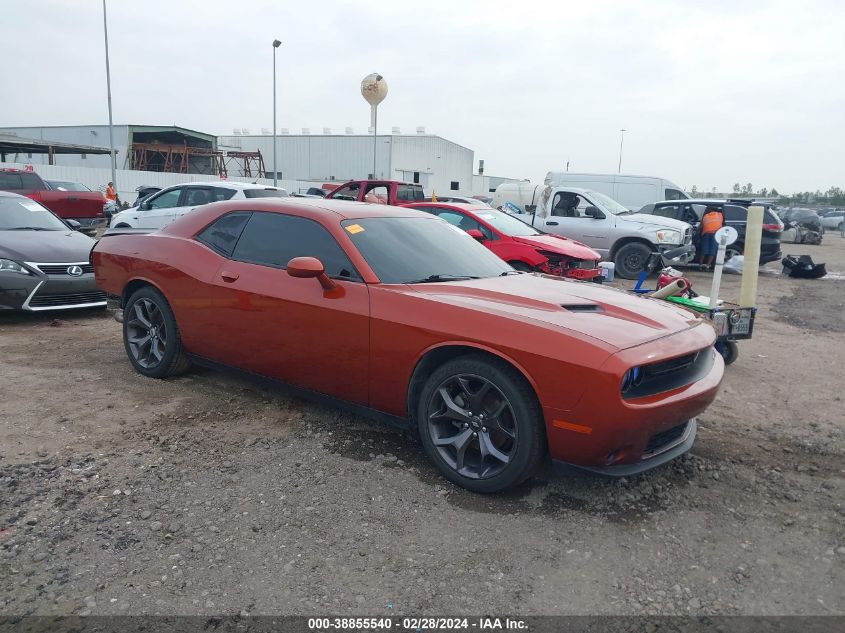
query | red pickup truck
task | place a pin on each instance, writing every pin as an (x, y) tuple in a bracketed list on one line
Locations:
[(85, 207), (378, 191)]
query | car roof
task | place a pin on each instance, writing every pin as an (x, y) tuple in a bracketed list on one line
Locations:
[(223, 184), (10, 194), (346, 209), (460, 206)]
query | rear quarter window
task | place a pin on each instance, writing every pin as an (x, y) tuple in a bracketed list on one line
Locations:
[(264, 193), (735, 214), (223, 234)]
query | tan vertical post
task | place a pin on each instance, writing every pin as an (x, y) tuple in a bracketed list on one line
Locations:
[(751, 261)]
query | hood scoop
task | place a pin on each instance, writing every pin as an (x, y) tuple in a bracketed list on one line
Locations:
[(582, 307)]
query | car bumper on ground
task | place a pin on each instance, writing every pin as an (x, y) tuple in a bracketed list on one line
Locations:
[(57, 289)]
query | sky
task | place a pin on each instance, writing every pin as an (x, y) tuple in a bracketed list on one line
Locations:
[(711, 93)]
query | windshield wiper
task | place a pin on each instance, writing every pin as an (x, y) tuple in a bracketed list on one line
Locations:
[(443, 277), (510, 272), (29, 228)]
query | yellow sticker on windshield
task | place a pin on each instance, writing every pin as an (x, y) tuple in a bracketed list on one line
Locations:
[(355, 228)]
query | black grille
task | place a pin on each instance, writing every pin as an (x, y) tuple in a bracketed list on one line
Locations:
[(671, 374), (55, 301), (61, 269), (665, 438), (670, 366)]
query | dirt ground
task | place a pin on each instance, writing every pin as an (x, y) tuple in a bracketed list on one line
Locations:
[(210, 495)]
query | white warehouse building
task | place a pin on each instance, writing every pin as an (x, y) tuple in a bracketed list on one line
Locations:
[(438, 164)]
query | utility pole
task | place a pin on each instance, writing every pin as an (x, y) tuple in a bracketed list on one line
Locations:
[(621, 140), (276, 44), (108, 90)]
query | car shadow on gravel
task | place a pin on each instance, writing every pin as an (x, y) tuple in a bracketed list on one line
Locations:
[(549, 493)]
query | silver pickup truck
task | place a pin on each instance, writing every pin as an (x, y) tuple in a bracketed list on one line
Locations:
[(626, 238)]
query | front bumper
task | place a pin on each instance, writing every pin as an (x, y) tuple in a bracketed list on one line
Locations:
[(611, 434), (40, 292), (681, 254), (664, 454)]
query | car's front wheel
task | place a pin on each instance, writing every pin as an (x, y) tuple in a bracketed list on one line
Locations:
[(481, 424), (151, 336), (631, 259)]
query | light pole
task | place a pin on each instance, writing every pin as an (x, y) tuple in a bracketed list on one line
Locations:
[(108, 91), (276, 44), (621, 140), (374, 90)]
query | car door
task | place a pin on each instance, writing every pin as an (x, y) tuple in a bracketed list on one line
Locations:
[(157, 211), (293, 330), (568, 217)]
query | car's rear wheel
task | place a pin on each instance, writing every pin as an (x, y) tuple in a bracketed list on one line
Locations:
[(151, 336), (733, 250), (481, 424), (631, 259), (521, 266)]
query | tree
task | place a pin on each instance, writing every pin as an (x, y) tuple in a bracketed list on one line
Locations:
[(749, 188), (763, 192), (774, 193), (736, 187)]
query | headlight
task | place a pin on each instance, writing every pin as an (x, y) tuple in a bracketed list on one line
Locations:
[(632, 378), (7, 265), (668, 236)]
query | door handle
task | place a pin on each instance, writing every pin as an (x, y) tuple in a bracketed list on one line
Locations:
[(229, 277), (551, 223)]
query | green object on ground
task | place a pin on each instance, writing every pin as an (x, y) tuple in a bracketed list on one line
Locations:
[(696, 304)]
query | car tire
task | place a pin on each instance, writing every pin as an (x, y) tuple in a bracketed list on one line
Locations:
[(517, 265), (149, 326), (729, 351), (732, 250), (631, 259), (489, 452)]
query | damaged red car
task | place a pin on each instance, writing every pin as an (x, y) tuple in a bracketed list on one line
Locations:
[(522, 246), (395, 314)]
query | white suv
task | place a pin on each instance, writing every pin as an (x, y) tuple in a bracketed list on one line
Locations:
[(160, 209)]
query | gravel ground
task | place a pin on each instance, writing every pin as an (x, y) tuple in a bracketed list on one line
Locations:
[(209, 495)]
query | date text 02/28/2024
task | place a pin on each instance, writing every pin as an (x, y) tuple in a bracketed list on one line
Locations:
[(416, 624)]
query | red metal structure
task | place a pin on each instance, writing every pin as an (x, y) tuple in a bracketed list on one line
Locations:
[(186, 159)]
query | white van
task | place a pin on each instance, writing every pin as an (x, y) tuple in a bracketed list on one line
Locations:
[(632, 192)]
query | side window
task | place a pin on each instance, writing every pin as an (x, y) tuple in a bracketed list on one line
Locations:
[(223, 234), (569, 205), (197, 196), (222, 194), (454, 185), (735, 214), (463, 222), (669, 211), (377, 194), (273, 239), (349, 192), (10, 181), (690, 216), (674, 194), (166, 200), (31, 181)]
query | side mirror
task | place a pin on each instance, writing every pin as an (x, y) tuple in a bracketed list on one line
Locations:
[(74, 225), (310, 268), (144, 206), (594, 212), (476, 234)]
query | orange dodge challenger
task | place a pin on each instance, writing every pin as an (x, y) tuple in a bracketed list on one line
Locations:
[(396, 314)]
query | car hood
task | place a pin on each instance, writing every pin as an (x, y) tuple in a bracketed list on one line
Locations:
[(618, 319), (54, 247), (655, 221), (561, 245)]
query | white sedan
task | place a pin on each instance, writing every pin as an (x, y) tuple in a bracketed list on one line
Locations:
[(160, 209), (833, 219)]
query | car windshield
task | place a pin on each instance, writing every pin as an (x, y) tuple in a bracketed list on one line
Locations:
[(265, 193), (506, 224), (21, 214), (65, 185), (414, 250), (608, 203)]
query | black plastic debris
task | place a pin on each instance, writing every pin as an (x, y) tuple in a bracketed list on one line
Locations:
[(802, 267)]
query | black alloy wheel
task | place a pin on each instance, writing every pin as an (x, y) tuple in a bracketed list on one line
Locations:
[(150, 335), (480, 423)]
